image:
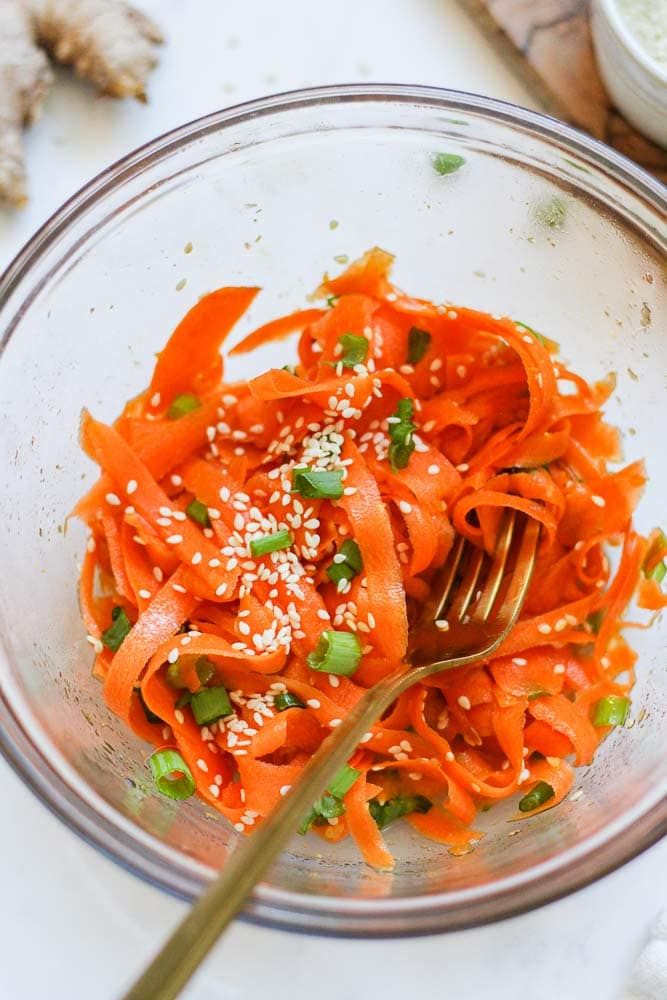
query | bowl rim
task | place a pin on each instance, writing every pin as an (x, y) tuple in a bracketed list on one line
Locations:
[(628, 42), (600, 854)]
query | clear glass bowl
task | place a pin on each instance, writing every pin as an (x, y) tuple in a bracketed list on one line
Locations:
[(541, 223)]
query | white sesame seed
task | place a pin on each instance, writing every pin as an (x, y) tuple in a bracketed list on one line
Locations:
[(560, 625), (349, 491), (366, 737), (404, 507), (95, 643), (213, 513), (323, 613), (442, 624), (144, 594), (334, 723), (559, 668), (313, 703), (174, 539), (164, 522), (461, 371), (544, 628), (176, 480), (178, 715), (475, 787), (239, 826), (433, 470), (202, 765), (449, 756), (598, 501), (463, 467), (158, 574), (172, 656), (244, 628), (178, 588), (519, 661), (131, 487), (219, 591), (428, 426), (464, 702), (156, 399), (284, 789), (524, 775), (112, 499)]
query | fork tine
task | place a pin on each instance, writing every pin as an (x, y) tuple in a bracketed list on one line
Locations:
[(449, 572), (495, 576), (466, 589), (520, 578)]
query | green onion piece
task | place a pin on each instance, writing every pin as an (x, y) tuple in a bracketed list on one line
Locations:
[(351, 564), (611, 711), (150, 715), (171, 774), (318, 484), (173, 676), (385, 813), (418, 344), (329, 806), (285, 699), (332, 300), (401, 430), (113, 636), (355, 349), (658, 571), (183, 404), (204, 670), (336, 653), (271, 543), (305, 826), (343, 781), (447, 163), (184, 700), (210, 704), (595, 620), (537, 796), (198, 511)]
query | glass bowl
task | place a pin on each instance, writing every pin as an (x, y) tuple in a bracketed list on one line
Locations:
[(541, 223)]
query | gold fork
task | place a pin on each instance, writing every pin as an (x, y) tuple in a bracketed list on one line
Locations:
[(479, 600)]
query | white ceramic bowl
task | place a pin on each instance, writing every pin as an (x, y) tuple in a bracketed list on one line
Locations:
[(636, 83)]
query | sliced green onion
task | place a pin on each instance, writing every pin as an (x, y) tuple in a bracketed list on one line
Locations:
[(305, 826), (401, 430), (210, 704), (595, 620), (285, 699), (343, 781), (113, 636), (183, 404), (171, 774), (611, 711), (271, 543), (418, 344), (203, 668), (537, 796), (447, 163), (150, 715), (658, 571), (198, 511), (318, 484), (332, 300), (336, 653), (385, 813), (349, 566), (355, 349)]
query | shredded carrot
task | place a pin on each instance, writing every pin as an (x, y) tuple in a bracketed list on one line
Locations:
[(238, 530)]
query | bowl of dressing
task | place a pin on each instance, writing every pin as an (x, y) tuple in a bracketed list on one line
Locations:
[(630, 40)]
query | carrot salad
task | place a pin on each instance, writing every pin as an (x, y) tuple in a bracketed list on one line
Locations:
[(258, 549)]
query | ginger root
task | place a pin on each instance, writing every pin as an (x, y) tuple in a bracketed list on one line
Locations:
[(106, 41)]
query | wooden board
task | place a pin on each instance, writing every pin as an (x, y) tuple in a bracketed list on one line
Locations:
[(548, 44)]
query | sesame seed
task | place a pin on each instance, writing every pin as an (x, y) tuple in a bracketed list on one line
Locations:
[(239, 826), (95, 643), (158, 574), (519, 661), (145, 594), (560, 625), (156, 399), (313, 703), (178, 588), (112, 499), (174, 539), (475, 787), (244, 628), (539, 379), (334, 723), (178, 715), (449, 756), (461, 371), (334, 681), (544, 628), (464, 702), (463, 467), (213, 513), (202, 765), (598, 501), (559, 668), (433, 470), (164, 522), (436, 365), (284, 789), (322, 612), (349, 491), (176, 480), (428, 426), (219, 591), (442, 624), (131, 487), (213, 563), (172, 656), (404, 507)]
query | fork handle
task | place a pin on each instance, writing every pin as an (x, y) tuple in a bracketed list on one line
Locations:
[(189, 944)]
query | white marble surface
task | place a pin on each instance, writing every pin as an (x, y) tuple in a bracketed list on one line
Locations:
[(73, 926)]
